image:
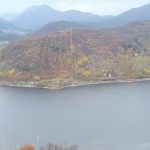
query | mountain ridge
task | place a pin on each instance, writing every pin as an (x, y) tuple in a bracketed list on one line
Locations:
[(43, 15), (136, 14), (37, 16)]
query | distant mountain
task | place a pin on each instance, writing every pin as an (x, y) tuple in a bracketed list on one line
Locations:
[(9, 16), (37, 16), (59, 27), (136, 14), (6, 25), (78, 16), (73, 56), (9, 32)]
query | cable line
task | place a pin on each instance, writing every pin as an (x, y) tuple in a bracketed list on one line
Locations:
[(120, 100)]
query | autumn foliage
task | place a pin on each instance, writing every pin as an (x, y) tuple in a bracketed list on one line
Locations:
[(51, 147), (27, 147), (79, 54)]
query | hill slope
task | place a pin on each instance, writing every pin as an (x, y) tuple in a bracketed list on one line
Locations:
[(35, 17), (9, 16), (6, 25), (136, 14), (58, 27), (9, 32), (79, 55)]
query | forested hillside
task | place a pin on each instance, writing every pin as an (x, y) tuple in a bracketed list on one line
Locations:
[(79, 55)]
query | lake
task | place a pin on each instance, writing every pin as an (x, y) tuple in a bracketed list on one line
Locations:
[(100, 117)]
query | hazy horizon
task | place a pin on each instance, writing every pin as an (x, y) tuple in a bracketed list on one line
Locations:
[(107, 7)]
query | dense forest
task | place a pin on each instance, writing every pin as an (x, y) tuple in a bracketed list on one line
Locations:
[(78, 55)]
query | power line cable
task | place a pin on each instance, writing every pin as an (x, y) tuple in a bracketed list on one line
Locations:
[(124, 98)]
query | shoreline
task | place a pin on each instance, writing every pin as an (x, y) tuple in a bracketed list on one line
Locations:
[(80, 84)]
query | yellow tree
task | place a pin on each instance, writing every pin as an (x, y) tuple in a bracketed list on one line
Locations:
[(37, 78), (82, 60), (27, 147), (85, 72), (11, 73)]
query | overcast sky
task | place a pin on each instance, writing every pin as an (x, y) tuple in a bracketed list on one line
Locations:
[(101, 7)]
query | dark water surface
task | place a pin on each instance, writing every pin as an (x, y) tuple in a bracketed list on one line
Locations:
[(101, 117)]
